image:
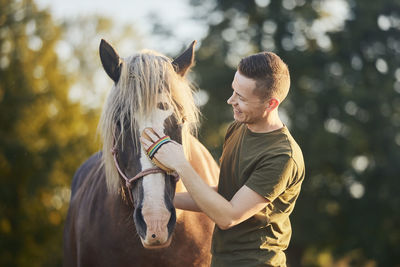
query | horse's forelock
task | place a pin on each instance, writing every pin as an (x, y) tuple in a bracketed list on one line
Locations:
[(145, 79)]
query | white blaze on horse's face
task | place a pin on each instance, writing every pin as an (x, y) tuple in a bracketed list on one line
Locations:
[(155, 214)]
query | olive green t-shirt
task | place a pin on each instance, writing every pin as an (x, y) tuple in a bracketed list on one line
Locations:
[(272, 165)]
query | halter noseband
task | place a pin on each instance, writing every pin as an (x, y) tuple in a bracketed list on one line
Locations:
[(129, 181)]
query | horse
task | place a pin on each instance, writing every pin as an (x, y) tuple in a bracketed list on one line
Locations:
[(121, 209)]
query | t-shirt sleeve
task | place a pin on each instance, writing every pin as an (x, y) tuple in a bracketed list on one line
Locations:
[(271, 176)]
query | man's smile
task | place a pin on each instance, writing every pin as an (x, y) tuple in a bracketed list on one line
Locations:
[(236, 111)]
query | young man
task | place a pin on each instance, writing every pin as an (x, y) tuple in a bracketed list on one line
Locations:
[(262, 169)]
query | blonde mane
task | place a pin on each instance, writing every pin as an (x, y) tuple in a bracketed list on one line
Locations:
[(145, 79)]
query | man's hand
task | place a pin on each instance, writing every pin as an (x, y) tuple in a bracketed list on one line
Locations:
[(170, 154)]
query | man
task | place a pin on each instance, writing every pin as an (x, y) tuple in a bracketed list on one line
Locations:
[(261, 173)]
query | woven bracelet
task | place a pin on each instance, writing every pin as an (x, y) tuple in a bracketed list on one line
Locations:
[(156, 146)]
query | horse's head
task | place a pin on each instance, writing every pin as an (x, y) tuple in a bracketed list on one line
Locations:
[(149, 91)]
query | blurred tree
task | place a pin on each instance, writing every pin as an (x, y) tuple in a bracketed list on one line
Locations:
[(44, 134), (343, 109), (43, 137)]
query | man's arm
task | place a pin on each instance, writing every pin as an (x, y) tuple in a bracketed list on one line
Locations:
[(244, 204), (184, 201)]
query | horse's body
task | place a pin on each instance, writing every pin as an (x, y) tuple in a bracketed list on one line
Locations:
[(99, 229)]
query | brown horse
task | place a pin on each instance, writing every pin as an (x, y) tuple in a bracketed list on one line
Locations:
[(149, 91)]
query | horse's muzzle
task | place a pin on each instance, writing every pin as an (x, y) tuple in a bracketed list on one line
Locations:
[(155, 226)]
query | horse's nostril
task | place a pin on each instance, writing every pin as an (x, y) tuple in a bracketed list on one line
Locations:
[(153, 236)]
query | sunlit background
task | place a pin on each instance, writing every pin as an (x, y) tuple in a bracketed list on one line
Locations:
[(343, 109)]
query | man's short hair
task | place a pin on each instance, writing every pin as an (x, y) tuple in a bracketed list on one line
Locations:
[(270, 73)]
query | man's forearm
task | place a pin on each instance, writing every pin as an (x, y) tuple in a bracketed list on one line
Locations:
[(184, 201), (206, 199)]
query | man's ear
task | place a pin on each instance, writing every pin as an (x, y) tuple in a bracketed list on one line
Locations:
[(272, 104)]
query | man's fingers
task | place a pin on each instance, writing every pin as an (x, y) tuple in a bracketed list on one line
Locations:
[(152, 136), (146, 143), (159, 132)]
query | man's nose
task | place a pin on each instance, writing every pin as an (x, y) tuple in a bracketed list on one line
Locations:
[(230, 100)]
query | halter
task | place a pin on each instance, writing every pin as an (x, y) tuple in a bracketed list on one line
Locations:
[(129, 181)]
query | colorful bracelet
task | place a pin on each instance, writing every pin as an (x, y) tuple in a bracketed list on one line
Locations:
[(156, 146)]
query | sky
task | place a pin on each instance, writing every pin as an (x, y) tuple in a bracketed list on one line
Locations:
[(126, 9), (173, 13)]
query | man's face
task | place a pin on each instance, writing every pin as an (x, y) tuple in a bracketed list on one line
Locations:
[(247, 107)]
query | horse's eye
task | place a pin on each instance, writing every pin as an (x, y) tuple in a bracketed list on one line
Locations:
[(163, 106)]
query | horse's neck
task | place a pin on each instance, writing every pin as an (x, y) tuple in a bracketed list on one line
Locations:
[(203, 163)]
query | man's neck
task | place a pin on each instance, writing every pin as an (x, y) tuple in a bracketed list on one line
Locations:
[(270, 123)]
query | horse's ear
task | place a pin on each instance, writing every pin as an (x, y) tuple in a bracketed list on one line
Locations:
[(110, 59), (185, 61)]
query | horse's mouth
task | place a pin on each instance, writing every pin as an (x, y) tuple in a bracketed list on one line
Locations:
[(156, 245)]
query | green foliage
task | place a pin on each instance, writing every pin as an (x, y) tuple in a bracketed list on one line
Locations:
[(343, 109), (44, 137)]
